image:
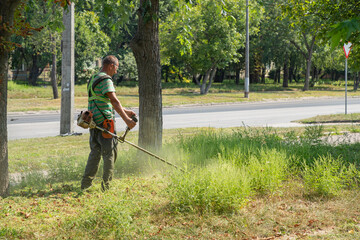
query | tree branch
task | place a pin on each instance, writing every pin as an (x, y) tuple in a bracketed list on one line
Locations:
[(298, 48)]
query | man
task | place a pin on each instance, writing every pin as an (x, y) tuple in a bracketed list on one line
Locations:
[(102, 103)]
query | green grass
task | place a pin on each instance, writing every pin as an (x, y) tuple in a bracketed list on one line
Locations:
[(333, 118), (25, 98), (240, 183)]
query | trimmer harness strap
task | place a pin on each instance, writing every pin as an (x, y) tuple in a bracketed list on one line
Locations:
[(91, 86)]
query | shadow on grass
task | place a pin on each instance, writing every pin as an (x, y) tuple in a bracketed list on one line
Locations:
[(51, 191)]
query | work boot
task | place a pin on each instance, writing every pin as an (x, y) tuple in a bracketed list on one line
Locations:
[(85, 185), (105, 186)]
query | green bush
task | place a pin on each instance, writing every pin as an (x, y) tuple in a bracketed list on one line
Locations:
[(327, 175), (267, 170), (219, 188)]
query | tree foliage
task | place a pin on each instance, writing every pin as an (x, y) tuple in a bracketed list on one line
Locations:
[(91, 43), (203, 36)]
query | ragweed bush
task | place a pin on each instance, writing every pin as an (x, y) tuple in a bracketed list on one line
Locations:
[(328, 175), (267, 170), (234, 166), (219, 188)]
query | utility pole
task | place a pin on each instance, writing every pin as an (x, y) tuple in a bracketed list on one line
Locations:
[(246, 87), (67, 72)]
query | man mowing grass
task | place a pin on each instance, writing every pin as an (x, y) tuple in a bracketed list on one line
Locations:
[(102, 103)]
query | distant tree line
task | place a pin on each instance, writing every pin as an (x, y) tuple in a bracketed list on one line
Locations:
[(202, 41)]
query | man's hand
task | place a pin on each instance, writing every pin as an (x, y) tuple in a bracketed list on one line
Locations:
[(130, 123), (130, 113)]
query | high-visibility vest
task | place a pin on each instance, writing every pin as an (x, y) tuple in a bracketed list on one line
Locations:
[(91, 86)]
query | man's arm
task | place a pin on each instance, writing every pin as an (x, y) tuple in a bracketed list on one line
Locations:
[(124, 113)]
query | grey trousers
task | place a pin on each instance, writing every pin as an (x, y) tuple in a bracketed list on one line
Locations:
[(100, 147)]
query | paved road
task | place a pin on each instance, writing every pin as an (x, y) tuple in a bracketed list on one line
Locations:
[(276, 114)]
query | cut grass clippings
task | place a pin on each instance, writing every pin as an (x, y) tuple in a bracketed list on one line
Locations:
[(241, 183)]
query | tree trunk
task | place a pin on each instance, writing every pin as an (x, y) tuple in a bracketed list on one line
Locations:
[(197, 79), (34, 71), (53, 72), (356, 81), (292, 70), (313, 77), (309, 48), (203, 82), (211, 79), (307, 75), (7, 9), (307, 55), (166, 73), (277, 75), (286, 74), (209, 76), (296, 74), (4, 174), (263, 72), (145, 46), (237, 70)]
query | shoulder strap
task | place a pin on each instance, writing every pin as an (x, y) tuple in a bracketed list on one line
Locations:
[(99, 80), (94, 84)]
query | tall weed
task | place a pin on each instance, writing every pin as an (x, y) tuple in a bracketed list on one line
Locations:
[(233, 166), (218, 188), (267, 170), (328, 175)]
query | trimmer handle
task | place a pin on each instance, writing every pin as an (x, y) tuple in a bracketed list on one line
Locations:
[(133, 117)]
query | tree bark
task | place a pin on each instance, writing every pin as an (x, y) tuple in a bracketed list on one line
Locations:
[(34, 72), (286, 74), (7, 9), (207, 80), (145, 46), (237, 72), (211, 79), (307, 55), (166, 67), (197, 79), (356, 81), (53, 71), (263, 73), (203, 82), (4, 174)]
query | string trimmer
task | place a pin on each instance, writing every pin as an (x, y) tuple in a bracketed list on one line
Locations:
[(85, 120)]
